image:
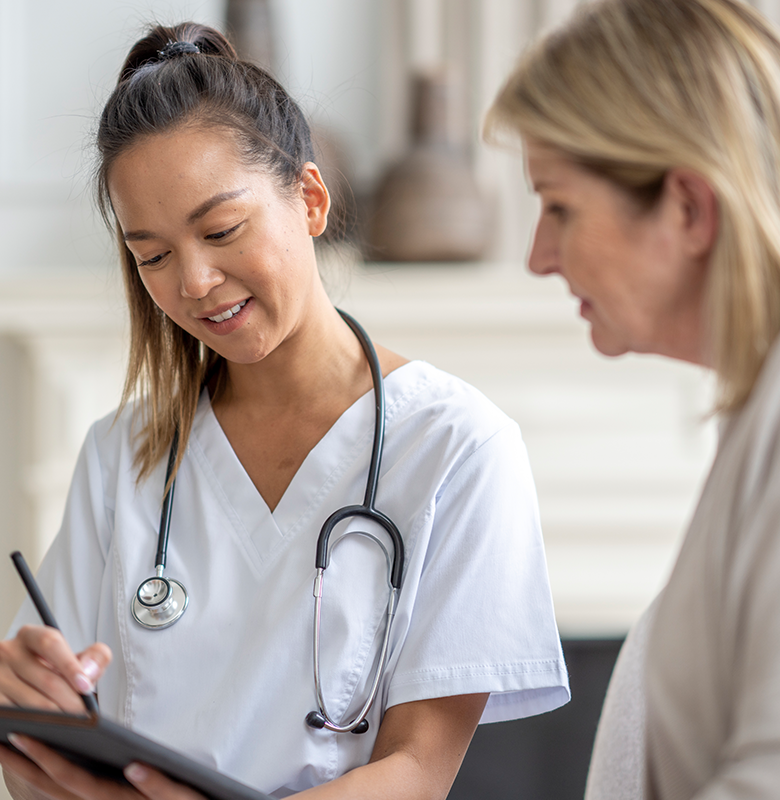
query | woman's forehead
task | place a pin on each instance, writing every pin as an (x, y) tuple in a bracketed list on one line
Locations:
[(179, 176), (547, 167)]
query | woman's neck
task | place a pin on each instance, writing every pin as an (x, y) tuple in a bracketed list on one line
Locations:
[(320, 361)]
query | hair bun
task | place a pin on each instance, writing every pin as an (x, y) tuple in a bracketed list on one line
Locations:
[(174, 49), (163, 43)]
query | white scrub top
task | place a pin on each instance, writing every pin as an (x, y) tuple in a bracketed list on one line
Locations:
[(231, 682)]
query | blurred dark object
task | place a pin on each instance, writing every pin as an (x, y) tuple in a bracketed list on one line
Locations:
[(544, 757), (250, 28), (428, 207)]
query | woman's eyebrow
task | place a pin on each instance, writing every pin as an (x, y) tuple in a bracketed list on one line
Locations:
[(545, 185), (206, 206), (198, 213)]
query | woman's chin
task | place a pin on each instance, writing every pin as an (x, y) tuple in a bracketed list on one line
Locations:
[(608, 344)]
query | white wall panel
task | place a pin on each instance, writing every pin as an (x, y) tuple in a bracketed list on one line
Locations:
[(551, 12), (58, 61), (329, 58)]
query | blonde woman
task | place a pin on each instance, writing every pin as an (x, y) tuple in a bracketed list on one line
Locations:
[(651, 130)]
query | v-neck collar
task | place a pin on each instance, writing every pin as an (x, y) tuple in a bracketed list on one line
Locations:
[(322, 468)]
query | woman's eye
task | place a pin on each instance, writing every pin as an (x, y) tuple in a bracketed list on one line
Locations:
[(556, 210), (151, 262), (223, 234)]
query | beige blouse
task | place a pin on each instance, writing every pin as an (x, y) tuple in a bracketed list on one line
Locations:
[(713, 664), (709, 681), (617, 768)]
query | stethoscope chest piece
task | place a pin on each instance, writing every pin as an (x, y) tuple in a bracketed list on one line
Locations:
[(159, 602)]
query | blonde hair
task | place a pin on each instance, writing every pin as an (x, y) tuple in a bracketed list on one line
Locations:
[(633, 88)]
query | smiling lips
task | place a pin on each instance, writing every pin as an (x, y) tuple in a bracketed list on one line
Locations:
[(229, 313)]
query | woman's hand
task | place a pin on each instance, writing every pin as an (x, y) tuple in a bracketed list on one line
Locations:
[(52, 776), (39, 670)]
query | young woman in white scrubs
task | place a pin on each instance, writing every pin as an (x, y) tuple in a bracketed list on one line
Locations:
[(207, 171)]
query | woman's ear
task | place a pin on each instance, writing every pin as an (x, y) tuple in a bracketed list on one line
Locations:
[(697, 210), (316, 197)]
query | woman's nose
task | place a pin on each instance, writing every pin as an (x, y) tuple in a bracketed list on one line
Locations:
[(198, 278), (543, 258)]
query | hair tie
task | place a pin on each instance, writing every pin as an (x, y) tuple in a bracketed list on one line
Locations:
[(174, 49)]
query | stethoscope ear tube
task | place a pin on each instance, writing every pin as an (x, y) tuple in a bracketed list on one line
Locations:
[(160, 601), (321, 718)]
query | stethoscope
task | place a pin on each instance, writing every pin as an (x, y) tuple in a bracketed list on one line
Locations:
[(161, 601)]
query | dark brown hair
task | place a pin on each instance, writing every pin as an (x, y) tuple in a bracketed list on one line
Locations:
[(164, 86)]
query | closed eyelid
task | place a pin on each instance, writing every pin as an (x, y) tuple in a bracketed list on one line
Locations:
[(217, 235), (152, 261)]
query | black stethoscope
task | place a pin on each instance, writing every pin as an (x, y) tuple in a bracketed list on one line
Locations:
[(160, 601)]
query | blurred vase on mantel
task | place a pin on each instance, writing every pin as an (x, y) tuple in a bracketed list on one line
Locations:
[(428, 207)]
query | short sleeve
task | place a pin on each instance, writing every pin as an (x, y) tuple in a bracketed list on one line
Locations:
[(483, 618), (72, 571)]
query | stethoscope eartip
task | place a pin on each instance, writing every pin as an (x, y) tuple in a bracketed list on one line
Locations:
[(315, 720)]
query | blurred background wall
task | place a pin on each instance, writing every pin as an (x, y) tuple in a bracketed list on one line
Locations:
[(619, 448)]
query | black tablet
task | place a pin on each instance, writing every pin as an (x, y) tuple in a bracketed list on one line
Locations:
[(105, 749)]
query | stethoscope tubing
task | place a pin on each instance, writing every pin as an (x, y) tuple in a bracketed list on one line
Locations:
[(322, 558), (323, 719), (167, 507), (372, 480), (156, 619)]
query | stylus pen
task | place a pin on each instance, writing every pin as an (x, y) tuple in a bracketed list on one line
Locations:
[(43, 609)]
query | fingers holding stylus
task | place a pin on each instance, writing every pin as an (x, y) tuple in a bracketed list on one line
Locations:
[(26, 679), (38, 669)]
